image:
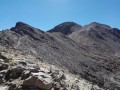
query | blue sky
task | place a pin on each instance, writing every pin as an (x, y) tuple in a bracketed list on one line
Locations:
[(45, 14)]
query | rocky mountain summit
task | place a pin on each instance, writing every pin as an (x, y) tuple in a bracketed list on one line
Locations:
[(66, 28), (91, 52)]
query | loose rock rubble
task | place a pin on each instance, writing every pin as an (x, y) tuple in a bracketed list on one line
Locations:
[(25, 72)]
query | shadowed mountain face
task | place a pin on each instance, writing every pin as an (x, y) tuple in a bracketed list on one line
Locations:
[(93, 50), (66, 28)]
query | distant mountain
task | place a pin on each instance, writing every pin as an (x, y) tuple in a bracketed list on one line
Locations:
[(92, 51)]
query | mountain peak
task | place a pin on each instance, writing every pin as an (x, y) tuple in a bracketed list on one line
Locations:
[(99, 25), (23, 28), (19, 24), (66, 28), (68, 23), (95, 23)]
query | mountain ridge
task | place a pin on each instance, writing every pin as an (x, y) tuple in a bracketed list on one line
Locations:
[(91, 51)]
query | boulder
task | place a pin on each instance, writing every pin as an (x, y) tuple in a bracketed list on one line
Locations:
[(40, 81), (16, 72), (3, 67)]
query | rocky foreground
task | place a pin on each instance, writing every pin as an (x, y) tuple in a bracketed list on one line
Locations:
[(20, 71)]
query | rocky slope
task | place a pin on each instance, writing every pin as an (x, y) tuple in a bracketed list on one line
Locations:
[(91, 51), (102, 44), (99, 38), (19, 71)]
